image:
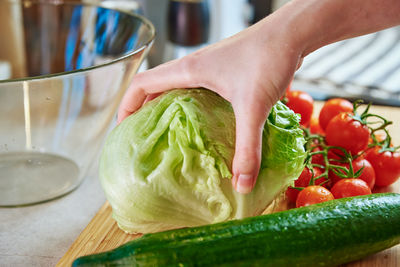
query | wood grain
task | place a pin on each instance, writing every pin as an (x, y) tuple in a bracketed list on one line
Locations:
[(103, 234)]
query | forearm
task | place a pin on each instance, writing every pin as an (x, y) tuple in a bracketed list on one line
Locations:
[(310, 24)]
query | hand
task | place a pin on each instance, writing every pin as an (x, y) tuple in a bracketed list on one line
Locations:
[(249, 70), (252, 68)]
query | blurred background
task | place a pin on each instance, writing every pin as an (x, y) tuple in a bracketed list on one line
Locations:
[(366, 67)]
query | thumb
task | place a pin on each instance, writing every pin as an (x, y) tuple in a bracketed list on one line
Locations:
[(250, 121)]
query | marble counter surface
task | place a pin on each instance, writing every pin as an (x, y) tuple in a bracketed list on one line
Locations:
[(39, 235)]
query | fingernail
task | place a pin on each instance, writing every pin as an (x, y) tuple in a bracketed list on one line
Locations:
[(244, 183)]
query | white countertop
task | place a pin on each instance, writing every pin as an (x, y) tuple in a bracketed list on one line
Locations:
[(40, 235)]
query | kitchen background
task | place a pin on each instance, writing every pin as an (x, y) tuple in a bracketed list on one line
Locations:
[(365, 67)]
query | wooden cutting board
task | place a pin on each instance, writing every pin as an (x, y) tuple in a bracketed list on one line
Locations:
[(103, 234)]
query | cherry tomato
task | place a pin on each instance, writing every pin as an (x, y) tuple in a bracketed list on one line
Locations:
[(367, 174), (346, 132), (335, 154), (301, 103), (331, 108), (313, 194), (317, 158), (303, 181), (319, 181), (350, 187), (314, 126), (386, 165)]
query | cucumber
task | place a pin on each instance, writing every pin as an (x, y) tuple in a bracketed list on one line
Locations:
[(325, 234)]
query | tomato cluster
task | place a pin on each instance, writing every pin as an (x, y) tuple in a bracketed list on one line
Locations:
[(350, 153)]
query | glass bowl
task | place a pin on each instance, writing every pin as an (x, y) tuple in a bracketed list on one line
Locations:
[(69, 65)]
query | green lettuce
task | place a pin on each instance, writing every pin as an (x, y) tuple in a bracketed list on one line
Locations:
[(169, 164)]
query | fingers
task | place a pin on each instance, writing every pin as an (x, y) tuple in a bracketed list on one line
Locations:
[(132, 101), (250, 121), (174, 74)]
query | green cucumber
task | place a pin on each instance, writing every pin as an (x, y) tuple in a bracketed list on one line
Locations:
[(325, 234)]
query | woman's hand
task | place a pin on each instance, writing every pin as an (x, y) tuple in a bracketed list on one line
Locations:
[(249, 70), (252, 68)]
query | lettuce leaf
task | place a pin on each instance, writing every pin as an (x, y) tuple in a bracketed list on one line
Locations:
[(169, 164)]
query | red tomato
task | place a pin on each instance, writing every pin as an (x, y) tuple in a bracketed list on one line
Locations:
[(331, 108), (314, 126), (317, 158), (301, 103), (332, 176), (367, 174), (335, 154), (303, 181), (385, 164), (348, 133), (350, 187), (313, 194)]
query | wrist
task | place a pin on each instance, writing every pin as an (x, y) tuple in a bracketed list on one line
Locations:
[(287, 30), (305, 26)]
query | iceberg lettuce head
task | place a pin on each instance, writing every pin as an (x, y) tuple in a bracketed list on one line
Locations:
[(169, 164)]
